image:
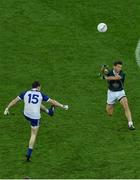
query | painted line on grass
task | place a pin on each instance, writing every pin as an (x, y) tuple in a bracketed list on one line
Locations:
[(137, 53)]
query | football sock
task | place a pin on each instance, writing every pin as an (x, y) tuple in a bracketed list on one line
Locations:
[(29, 152), (47, 111), (130, 123)]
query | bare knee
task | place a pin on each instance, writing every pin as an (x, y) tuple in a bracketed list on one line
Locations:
[(109, 110), (34, 131), (124, 103), (109, 113), (126, 107)]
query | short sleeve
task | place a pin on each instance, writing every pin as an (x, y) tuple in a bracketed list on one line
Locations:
[(45, 97), (108, 74), (123, 77), (21, 96)]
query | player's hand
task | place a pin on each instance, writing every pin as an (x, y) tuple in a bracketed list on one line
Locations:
[(6, 112), (118, 77), (66, 107), (104, 71)]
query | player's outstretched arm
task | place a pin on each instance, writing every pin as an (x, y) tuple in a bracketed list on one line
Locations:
[(56, 103), (12, 103)]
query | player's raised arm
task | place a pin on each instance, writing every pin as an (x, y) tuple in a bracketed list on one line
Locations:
[(53, 102), (12, 103), (56, 103)]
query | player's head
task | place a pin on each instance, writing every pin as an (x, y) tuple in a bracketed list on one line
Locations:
[(117, 65), (36, 85)]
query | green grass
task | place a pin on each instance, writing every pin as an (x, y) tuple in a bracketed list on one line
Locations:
[(56, 41)]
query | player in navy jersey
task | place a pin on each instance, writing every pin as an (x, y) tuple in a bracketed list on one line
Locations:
[(32, 104)]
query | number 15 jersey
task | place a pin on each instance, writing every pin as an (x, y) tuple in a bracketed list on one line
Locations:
[(32, 103)]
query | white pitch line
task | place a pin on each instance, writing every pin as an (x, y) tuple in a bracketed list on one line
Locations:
[(137, 53)]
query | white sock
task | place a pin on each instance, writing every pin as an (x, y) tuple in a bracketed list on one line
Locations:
[(47, 111), (130, 123)]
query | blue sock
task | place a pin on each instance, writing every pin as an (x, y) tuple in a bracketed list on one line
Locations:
[(29, 152)]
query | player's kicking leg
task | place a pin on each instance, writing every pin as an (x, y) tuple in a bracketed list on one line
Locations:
[(124, 103), (49, 111)]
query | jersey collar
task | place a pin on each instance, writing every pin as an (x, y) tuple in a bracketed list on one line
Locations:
[(115, 72), (34, 89)]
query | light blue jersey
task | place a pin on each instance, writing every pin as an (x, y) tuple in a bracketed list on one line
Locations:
[(32, 103)]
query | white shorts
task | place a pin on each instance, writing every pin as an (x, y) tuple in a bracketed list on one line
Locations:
[(113, 96)]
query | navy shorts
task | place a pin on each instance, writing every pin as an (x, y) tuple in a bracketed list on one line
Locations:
[(34, 122)]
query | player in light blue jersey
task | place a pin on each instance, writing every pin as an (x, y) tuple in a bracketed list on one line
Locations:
[(32, 105)]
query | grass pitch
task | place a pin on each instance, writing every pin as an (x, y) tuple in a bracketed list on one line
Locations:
[(56, 42)]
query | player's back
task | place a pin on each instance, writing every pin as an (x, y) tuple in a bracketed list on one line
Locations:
[(32, 102)]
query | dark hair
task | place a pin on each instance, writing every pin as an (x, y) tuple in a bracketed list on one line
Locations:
[(35, 84), (117, 62)]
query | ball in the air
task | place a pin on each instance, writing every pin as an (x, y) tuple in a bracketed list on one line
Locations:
[(102, 27)]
